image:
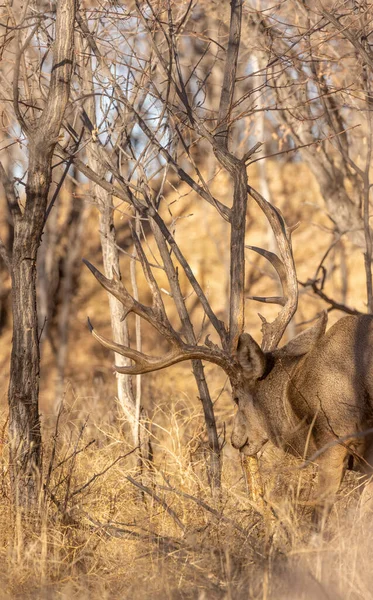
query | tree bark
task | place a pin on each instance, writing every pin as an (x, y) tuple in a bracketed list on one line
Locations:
[(24, 422), (23, 395)]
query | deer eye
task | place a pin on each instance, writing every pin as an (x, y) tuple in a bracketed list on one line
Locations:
[(235, 400)]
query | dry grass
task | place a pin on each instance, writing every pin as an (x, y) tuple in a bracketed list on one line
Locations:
[(109, 539)]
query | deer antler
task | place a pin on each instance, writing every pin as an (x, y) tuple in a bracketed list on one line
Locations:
[(281, 271), (146, 364), (285, 268), (157, 317)]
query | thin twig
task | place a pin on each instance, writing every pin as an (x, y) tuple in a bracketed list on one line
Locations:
[(218, 515), (97, 475), (160, 501)]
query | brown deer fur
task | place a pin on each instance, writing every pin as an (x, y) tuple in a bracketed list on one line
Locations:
[(313, 397)]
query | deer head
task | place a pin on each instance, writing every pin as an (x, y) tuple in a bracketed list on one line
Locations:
[(265, 382)]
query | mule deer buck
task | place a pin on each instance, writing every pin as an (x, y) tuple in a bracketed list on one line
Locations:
[(314, 395)]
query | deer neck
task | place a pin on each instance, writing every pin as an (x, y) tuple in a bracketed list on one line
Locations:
[(275, 394)]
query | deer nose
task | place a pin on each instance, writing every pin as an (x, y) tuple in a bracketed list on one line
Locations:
[(238, 441), (239, 447), (239, 435)]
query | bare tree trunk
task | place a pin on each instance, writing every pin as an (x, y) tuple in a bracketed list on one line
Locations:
[(136, 417), (134, 413), (214, 468), (140, 426), (110, 259), (24, 421)]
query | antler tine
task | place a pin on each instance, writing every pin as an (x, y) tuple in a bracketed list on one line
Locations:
[(272, 332), (281, 272), (157, 318), (146, 364), (142, 362)]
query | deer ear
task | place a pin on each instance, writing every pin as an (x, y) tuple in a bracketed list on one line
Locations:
[(305, 341), (251, 357)]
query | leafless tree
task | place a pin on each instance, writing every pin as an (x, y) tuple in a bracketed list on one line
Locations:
[(180, 121), (39, 112), (316, 61)]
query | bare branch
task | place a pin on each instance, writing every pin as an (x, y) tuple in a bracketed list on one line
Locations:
[(333, 304), (219, 516), (217, 324), (223, 210), (158, 305), (119, 192), (229, 81), (344, 29), (160, 501)]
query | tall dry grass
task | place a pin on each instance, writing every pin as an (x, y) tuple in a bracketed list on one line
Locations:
[(107, 531)]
